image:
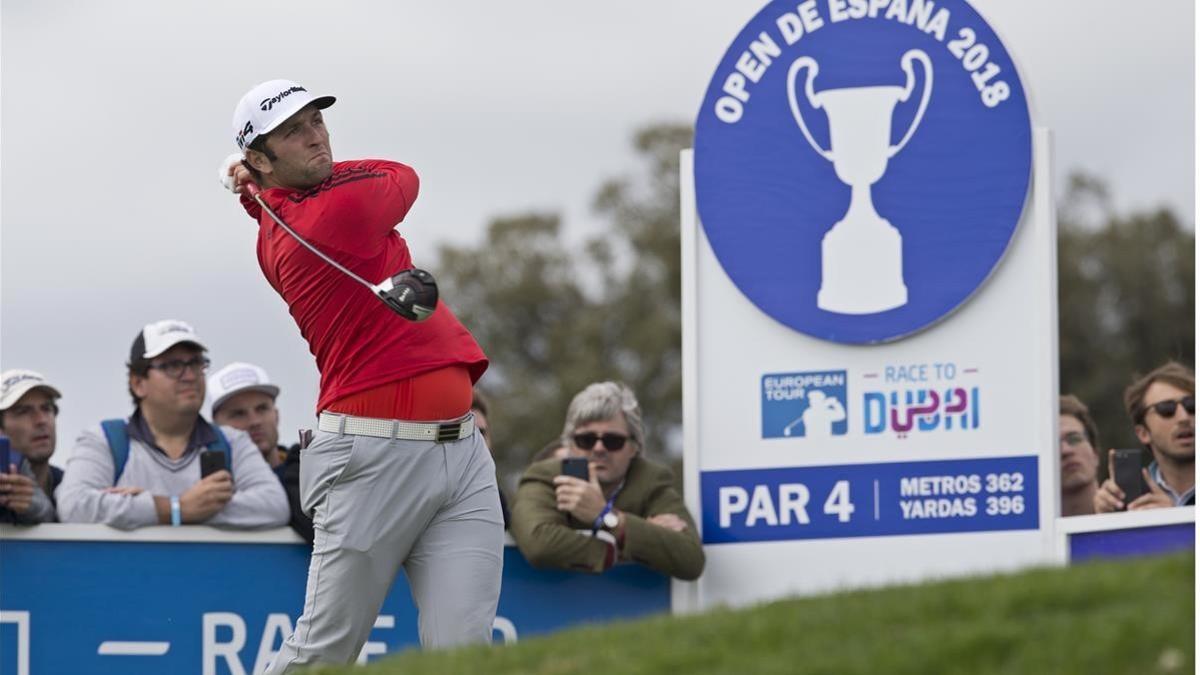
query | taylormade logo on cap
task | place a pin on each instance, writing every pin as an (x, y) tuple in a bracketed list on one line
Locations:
[(268, 105)]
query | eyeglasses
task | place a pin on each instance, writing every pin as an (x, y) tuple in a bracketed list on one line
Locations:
[(1166, 409), (1073, 438), (612, 441), (175, 367)]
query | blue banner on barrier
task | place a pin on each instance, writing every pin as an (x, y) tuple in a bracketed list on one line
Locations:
[(1133, 541), (181, 607), (870, 500)]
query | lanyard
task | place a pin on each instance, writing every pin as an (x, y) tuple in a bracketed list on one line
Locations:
[(607, 508)]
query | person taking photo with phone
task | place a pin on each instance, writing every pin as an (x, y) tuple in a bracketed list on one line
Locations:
[(605, 503), (1162, 406), (147, 470)]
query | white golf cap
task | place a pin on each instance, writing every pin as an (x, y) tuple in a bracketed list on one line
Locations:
[(236, 378), (156, 338), (16, 383), (267, 105)]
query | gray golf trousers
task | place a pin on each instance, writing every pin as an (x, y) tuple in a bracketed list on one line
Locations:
[(379, 504)]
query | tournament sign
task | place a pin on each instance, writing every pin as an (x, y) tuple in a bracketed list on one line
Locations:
[(870, 357), (860, 195)]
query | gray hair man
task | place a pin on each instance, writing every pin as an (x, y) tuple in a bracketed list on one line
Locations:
[(627, 510)]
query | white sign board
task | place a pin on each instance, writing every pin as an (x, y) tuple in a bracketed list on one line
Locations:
[(870, 337)]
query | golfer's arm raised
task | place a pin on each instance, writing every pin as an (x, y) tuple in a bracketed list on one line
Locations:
[(375, 195)]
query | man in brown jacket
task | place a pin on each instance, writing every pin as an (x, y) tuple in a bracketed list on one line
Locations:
[(628, 510)]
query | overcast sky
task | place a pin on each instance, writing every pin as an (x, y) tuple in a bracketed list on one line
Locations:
[(115, 115)]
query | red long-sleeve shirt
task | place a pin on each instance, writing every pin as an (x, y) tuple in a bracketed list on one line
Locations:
[(358, 342)]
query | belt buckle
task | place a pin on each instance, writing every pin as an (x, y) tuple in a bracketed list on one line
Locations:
[(448, 432)]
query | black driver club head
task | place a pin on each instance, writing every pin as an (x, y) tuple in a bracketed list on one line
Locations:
[(413, 295)]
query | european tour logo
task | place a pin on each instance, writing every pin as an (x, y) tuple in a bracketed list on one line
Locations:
[(804, 405)]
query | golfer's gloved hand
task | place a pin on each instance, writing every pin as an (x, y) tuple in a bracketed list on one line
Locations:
[(225, 171)]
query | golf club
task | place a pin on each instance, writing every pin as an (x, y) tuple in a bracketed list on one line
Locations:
[(411, 293)]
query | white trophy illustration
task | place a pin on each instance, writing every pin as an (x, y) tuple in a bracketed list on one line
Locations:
[(861, 255)]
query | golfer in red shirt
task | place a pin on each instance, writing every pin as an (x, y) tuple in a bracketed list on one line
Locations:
[(396, 474)]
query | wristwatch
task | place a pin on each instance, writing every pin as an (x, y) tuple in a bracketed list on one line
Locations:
[(610, 520)]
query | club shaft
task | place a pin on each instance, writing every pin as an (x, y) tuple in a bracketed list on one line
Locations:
[(262, 203)]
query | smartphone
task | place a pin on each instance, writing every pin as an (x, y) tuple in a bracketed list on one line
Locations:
[(5, 454), (211, 461), (575, 466), (1127, 472)]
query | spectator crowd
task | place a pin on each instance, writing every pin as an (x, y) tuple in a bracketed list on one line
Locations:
[(1162, 472), (171, 464), (203, 447)]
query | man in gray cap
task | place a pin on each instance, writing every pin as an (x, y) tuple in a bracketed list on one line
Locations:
[(147, 470), (28, 412)]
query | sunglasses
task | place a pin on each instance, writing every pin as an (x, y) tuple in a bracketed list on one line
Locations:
[(1166, 409), (175, 367), (612, 441)]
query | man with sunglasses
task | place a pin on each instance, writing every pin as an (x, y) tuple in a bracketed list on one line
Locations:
[(627, 510), (146, 470), (1162, 406)]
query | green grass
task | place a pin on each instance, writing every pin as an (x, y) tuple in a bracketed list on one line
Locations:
[(1134, 617)]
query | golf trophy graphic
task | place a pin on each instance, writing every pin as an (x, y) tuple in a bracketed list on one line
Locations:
[(862, 254)]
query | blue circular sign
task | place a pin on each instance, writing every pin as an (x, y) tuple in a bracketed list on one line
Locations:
[(862, 165)]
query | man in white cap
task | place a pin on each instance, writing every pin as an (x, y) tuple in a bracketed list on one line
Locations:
[(397, 474), (28, 412), (243, 397), (147, 470)]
